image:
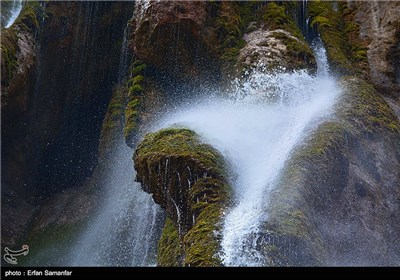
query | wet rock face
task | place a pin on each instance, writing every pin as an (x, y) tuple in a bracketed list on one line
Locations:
[(174, 37), (60, 109), (338, 200), (275, 49), (189, 180), (380, 28), (52, 107), (169, 163)]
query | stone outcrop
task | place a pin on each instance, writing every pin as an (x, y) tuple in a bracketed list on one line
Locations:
[(187, 24), (189, 180), (276, 44), (379, 24), (337, 203), (275, 50)]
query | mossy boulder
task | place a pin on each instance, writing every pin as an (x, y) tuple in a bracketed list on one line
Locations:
[(276, 44), (189, 180), (338, 199), (275, 50)]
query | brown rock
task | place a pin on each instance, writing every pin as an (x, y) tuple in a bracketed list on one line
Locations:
[(270, 50), (380, 27), (174, 36)]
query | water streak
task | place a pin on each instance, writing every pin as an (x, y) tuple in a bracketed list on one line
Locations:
[(126, 228), (15, 10)]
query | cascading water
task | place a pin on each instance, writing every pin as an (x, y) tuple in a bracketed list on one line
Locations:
[(256, 129), (126, 229), (14, 12), (123, 59)]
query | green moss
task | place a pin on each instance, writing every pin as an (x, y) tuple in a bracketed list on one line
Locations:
[(360, 55), (231, 55), (329, 24), (137, 80), (138, 69), (180, 142), (28, 18), (208, 198), (135, 89), (26, 22), (202, 201), (170, 251), (131, 117), (340, 34), (229, 28), (8, 61), (275, 17), (299, 52), (208, 191), (329, 137), (133, 107), (116, 109), (320, 21), (358, 46), (366, 110), (201, 244)]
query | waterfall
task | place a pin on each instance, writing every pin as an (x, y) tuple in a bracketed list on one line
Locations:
[(123, 59), (15, 9), (126, 229), (256, 128)]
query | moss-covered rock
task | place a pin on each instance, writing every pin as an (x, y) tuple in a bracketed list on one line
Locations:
[(272, 50), (366, 110), (135, 92), (276, 44), (337, 201), (340, 33), (189, 180), (113, 123), (17, 43), (229, 27), (170, 249)]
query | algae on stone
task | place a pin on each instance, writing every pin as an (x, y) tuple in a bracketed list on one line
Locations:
[(189, 179), (133, 107)]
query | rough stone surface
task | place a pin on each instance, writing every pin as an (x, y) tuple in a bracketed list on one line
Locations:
[(379, 23), (269, 49), (52, 108), (175, 37), (338, 202)]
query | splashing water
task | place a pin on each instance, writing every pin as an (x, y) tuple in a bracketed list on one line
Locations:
[(256, 129), (15, 10), (127, 227)]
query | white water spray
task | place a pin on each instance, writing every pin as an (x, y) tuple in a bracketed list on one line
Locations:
[(15, 10), (256, 129), (125, 230)]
